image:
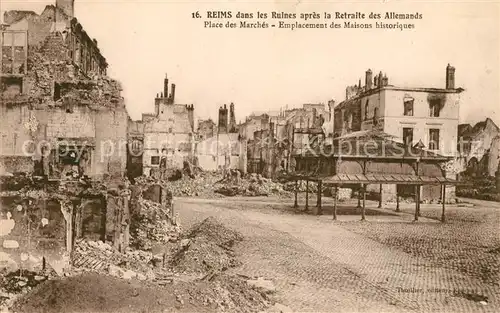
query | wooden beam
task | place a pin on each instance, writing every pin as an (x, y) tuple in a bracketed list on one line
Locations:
[(319, 197), (307, 194), (296, 204), (364, 203), (359, 197), (417, 201), (335, 203), (397, 200), (418, 204), (443, 200), (380, 197)]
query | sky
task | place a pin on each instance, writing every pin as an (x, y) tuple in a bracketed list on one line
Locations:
[(268, 69)]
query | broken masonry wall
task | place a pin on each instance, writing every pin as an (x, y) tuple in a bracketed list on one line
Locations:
[(13, 131), (90, 218), (58, 102), (38, 229), (118, 221), (223, 151), (32, 234), (111, 142), (152, 219), (26, 126), (39, 26)]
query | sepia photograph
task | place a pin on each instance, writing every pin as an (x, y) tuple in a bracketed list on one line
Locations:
[(249, 156)]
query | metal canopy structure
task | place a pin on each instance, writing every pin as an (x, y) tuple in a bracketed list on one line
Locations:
[(399, 179), (380, 160)]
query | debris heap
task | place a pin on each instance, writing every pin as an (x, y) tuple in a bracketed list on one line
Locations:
[(206, 249), (97, 256), (151, 223), (251, 185)]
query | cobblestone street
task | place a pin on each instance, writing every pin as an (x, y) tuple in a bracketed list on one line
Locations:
[(349, 266)]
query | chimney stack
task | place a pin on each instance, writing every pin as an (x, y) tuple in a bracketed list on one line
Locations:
[(450, 77), (173, 93), (232, 119), (190, 109), (165, 86), (368, 79), (385, 80), (67, 6), (222, 120)]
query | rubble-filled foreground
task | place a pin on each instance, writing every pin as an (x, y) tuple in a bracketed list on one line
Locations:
[(215, 185), (187, 276)]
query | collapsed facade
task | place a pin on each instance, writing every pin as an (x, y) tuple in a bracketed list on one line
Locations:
[(63, 130), (168, 134), (272, 139), (223, 149), (479, 148), (61, 115), (206, 129)]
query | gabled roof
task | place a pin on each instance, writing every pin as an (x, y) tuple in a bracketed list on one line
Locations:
[(466, 130)]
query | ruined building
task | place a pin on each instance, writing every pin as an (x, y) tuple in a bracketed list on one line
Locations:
[(63, 128), (168, 138), (224, 149), (479, 148), (427, 117), (274, 137), (206, 129), (61, 116)]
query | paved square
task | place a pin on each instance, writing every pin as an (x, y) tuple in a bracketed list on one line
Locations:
[(385, 264)]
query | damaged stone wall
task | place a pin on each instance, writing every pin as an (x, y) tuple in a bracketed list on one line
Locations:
[(40, 221), (32, 232), (347, 117), (153, 219), (60, 103), (206, 129)]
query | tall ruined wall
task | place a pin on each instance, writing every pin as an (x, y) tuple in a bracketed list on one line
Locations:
[(13, 133), (111, 142), (39, 26), (59, 102), (206, 129), (33, 227), (104, 130)]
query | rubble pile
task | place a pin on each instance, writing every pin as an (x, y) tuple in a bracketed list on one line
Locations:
[(49, 64), (206, 248), (201, 186), (152, 223), (97, 256), (215, 185), (98, 92), (251, 185), (18, 282), (100, 293), (227, 293)]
